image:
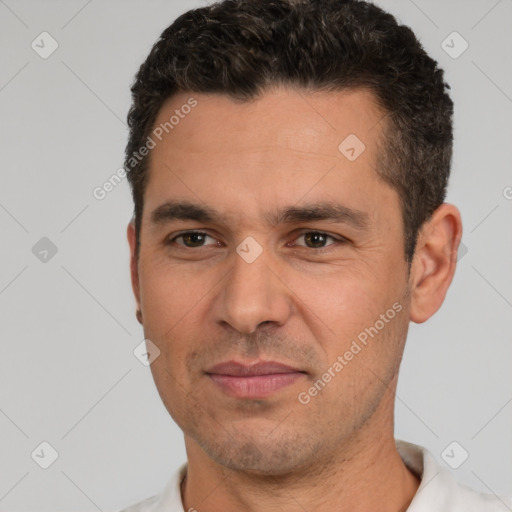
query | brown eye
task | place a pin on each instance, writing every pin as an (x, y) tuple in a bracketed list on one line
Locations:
[(316, 239), (191, 239)]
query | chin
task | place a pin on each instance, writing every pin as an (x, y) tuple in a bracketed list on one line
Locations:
[(261, 455)]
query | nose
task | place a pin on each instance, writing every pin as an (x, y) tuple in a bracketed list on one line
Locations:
[(252, 294)]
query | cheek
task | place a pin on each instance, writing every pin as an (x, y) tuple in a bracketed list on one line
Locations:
[(348, 299), (168, 296), (358, 313), (176, 394)]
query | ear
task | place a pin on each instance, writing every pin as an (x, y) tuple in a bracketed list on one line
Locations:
[(134, 270), (434, 261)]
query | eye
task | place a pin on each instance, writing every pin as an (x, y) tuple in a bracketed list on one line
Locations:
[(191, 239), (196, 239), (317, 239)]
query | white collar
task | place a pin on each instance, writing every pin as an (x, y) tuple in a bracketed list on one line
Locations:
[(438, 491)]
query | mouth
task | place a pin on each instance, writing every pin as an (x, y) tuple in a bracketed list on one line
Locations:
[(257, 380)]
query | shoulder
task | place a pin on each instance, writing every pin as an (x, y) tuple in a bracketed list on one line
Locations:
[(169, 500), (468, 500), (439, 491), (147, 505)]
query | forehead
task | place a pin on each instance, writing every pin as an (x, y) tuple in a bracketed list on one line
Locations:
[(285, 144), (293, 119)]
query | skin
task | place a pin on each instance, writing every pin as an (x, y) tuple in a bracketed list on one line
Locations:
[(201, 303)]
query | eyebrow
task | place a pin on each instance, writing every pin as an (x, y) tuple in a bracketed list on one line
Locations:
[(320, 211)]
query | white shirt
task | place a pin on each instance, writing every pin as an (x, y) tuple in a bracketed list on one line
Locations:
[(438, 491)]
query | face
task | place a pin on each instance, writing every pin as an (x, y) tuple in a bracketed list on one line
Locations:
[(263, 239)]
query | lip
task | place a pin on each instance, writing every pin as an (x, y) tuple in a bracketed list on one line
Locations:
[(257, 380), (234, 368)]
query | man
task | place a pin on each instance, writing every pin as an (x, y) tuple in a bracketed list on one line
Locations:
[(288, 163)]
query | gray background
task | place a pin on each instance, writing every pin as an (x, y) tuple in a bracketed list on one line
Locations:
[(68, 373)]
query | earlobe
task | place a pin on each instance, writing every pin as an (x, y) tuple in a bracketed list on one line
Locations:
[(134, 271), (434, 262)]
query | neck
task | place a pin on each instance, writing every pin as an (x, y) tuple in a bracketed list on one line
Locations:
[(365, 474)]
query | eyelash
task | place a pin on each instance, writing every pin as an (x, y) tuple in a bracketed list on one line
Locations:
[(318, 249)]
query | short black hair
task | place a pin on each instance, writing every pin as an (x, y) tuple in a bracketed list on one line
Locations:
[(241, 47)]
